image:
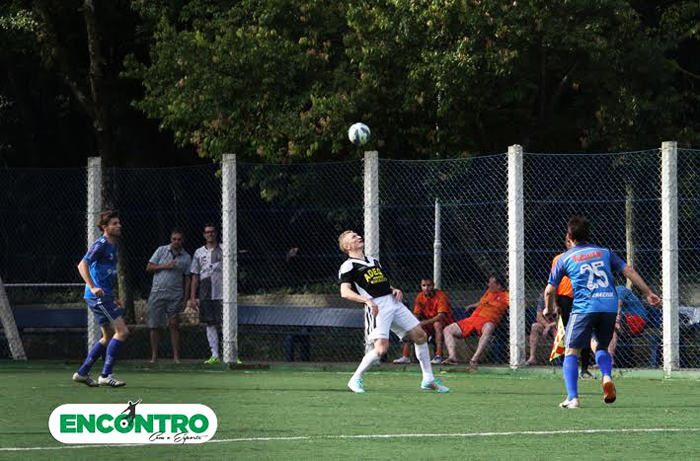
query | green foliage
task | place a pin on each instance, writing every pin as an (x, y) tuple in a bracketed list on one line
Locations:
[(281, 81)]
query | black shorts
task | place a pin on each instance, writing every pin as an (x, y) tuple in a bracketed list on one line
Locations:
[(211, 311), (565, 303)]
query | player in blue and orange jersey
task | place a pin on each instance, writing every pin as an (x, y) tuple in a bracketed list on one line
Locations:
[(99, 270), (595, 303)]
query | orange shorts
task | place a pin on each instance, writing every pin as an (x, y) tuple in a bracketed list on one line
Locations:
[(472, 324), (635, 324)]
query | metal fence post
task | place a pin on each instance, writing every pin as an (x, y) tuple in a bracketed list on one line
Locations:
[(94, 207), (229, 245), (516, 255), (669, 253), (437, 248), (371, 232)]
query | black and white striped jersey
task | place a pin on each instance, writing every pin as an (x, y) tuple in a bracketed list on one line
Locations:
[(365, 276)]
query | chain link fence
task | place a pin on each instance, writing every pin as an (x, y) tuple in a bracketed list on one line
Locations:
[(471, 195), (288, 221), (620, 195), (689, 257)]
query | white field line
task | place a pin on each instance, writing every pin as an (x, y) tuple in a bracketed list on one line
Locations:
[(379, 436)]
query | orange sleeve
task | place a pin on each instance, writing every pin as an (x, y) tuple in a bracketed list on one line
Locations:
[(443, 302), (417, 309), (564, 288)]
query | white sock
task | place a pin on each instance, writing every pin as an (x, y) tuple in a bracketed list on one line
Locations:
[(213, 337), (367, 362), (423, 356)]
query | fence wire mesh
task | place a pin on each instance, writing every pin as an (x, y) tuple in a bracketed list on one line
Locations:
[(689, 257), (42, 238), (472, 194), (288, 221), (620, 195)]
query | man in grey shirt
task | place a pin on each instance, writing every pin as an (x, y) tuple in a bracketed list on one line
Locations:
[(170, 265)]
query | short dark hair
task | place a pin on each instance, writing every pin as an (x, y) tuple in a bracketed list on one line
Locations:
[(105, 217), (211, 224), (427, 279), (579, 228), (176, 230), (498, 278)]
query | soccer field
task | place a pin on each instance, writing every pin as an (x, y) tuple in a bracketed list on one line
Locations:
[(288, 412)]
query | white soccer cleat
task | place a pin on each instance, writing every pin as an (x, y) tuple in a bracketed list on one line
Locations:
[(436, 360), (357, 386), (570, 404), (402, 359), (110, 381), (87, 380)]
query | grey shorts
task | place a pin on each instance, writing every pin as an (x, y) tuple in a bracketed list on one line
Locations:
[(161, 309)]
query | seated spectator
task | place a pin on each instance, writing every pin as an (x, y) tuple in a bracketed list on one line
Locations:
[(541, 328), (631, 318), (432, 308), (483, 321)]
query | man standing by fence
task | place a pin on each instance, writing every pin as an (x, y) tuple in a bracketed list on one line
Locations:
[(207, 287), (590, 269), (170, 265)]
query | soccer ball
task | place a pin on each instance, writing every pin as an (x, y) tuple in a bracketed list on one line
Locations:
[(358, 134)]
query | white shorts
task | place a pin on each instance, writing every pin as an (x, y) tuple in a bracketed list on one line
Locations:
[(393, 315)]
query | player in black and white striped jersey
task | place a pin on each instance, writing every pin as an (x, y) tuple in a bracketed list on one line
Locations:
[(363, 280)]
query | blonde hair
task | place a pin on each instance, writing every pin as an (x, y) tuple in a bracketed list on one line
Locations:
[(341, 238)]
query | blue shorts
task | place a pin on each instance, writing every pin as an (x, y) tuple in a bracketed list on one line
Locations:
[(581, 326), (105, 310)]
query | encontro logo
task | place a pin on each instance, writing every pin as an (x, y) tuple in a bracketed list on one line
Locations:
[(146, 423)]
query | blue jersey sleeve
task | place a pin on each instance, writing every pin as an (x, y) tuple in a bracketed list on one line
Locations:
[(558, 272), (616, 263), (94, 251)]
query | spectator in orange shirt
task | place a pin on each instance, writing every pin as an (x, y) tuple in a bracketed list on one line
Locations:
[(432, 308), (483, 321)]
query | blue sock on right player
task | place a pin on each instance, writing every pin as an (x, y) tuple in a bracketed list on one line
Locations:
[(95, 353), (112, 354), (571, 376), (604, 361)]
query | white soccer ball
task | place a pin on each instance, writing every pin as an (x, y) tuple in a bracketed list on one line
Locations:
[(359, 134)]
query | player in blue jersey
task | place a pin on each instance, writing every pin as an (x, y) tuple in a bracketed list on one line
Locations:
[(595, 304), (99, 270)]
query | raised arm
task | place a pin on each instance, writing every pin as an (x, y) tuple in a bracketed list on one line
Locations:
[(636, 279)]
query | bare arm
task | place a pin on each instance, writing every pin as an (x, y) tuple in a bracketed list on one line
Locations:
[(549, 305), (84, 271), (194, 284), (346, 292), (440, 316), (150, 267), (188, 283), (637, 280), (542, 320), (398, 294)]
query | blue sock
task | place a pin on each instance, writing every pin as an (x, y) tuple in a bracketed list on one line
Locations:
[(95, 353), (571, 375), (112, 354), (604, 361)]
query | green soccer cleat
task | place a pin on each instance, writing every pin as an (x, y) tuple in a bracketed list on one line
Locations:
[(434, 385), (213, 360)]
